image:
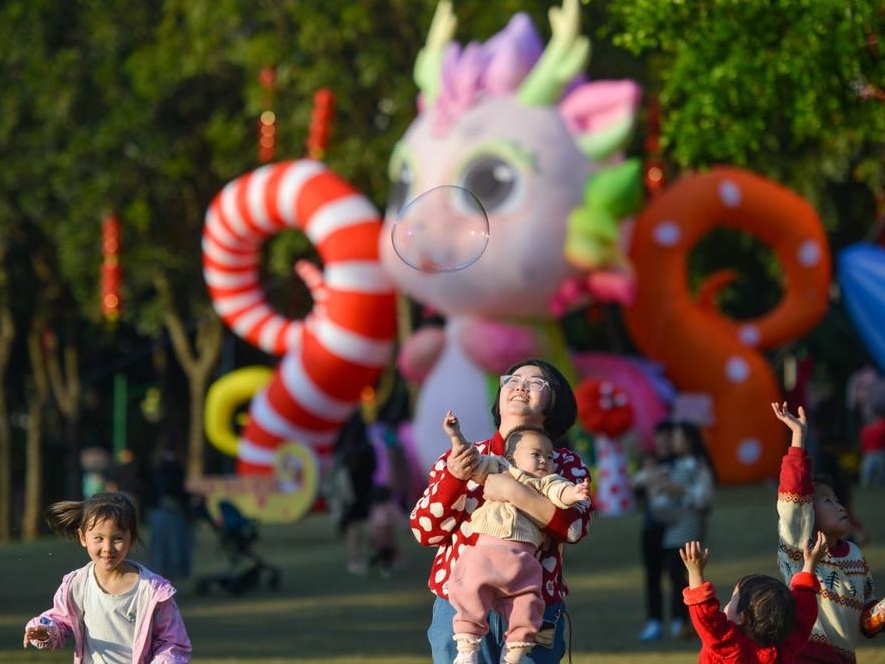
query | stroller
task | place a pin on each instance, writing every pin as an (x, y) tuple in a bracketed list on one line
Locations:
[(247, 570)]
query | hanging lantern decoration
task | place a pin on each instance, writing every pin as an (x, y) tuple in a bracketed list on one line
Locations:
[(654, 164), (267, 122), (110, 267), (320, 123)]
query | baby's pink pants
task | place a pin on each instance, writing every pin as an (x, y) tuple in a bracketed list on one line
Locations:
[(500, 575)]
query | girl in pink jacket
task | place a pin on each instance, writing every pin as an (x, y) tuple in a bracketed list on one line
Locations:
[(117, 611)]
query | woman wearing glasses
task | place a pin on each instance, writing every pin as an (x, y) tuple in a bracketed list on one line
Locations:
[(531, 393)]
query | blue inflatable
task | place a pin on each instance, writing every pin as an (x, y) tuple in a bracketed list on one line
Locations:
[(860, 269)]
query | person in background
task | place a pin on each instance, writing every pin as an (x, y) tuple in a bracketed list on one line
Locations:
[(653, 474), (872, 441), (764, 622), (683, 504), (115, 610), (126, 476), (171, 517), (386, 517), (531, 393), (350, 495)]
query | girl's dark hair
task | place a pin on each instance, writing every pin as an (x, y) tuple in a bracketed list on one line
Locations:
[(561, 410), (696, 443), (515, 435), (68, 517), (769, 609)]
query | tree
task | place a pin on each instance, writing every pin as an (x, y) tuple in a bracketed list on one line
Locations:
[(787, 89)]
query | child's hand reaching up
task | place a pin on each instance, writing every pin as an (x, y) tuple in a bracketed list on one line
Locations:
[(796, 423), (464, 459), (814, 551), (695, 559), (453, 430)]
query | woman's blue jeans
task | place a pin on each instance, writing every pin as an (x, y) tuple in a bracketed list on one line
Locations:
[(443, 648)]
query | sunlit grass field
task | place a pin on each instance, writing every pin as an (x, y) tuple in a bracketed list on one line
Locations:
[(322, 614)]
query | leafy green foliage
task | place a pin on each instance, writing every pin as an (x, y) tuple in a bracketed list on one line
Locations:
[(774, 87)]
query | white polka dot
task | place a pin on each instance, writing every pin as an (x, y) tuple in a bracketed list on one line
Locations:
[(737, 370), (730, 194), (448, 524), (436, 539), (749, 450), (425, 523), (470, 505), (749, 335), (459, 504), (667, 233), (549, 563), (436, 509), (809, 253), (440, 574)]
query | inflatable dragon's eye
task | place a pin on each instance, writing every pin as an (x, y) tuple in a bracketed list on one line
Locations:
[(496, 182)]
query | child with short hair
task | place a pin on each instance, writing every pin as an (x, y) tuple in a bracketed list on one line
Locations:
[(116, 610), (764, 621), (806, 502), (501, 572)]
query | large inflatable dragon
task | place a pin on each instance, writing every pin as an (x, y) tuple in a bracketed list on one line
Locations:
[(516, 123)]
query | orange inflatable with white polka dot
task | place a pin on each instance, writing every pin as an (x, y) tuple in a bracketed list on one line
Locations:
[(700, 348)]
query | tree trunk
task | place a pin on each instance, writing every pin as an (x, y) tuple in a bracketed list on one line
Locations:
[(7, 335), (197, 367), (36, 398), (66, 390)]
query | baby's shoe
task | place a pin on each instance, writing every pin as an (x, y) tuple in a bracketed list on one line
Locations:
[(515, 652), (468, 648)]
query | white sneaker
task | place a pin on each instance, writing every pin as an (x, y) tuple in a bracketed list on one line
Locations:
[(653, 631), (677, 628)]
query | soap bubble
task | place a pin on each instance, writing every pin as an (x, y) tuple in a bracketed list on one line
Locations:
[(445, 229)]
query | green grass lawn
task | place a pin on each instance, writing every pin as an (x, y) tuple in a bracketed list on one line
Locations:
[(321, 614)]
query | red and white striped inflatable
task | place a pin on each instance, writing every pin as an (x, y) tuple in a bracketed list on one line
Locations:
[(344, 342)]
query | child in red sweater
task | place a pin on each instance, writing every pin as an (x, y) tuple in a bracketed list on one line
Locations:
[(763, 621)]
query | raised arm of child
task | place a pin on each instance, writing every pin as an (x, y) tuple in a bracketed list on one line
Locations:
[(695, 558), (465, 462)]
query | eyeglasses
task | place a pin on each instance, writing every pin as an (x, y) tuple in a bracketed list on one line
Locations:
[(532, 384)]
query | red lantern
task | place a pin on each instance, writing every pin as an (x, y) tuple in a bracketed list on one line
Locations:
[(110, 267), (320, 123), (654, 165), (267, 123)]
